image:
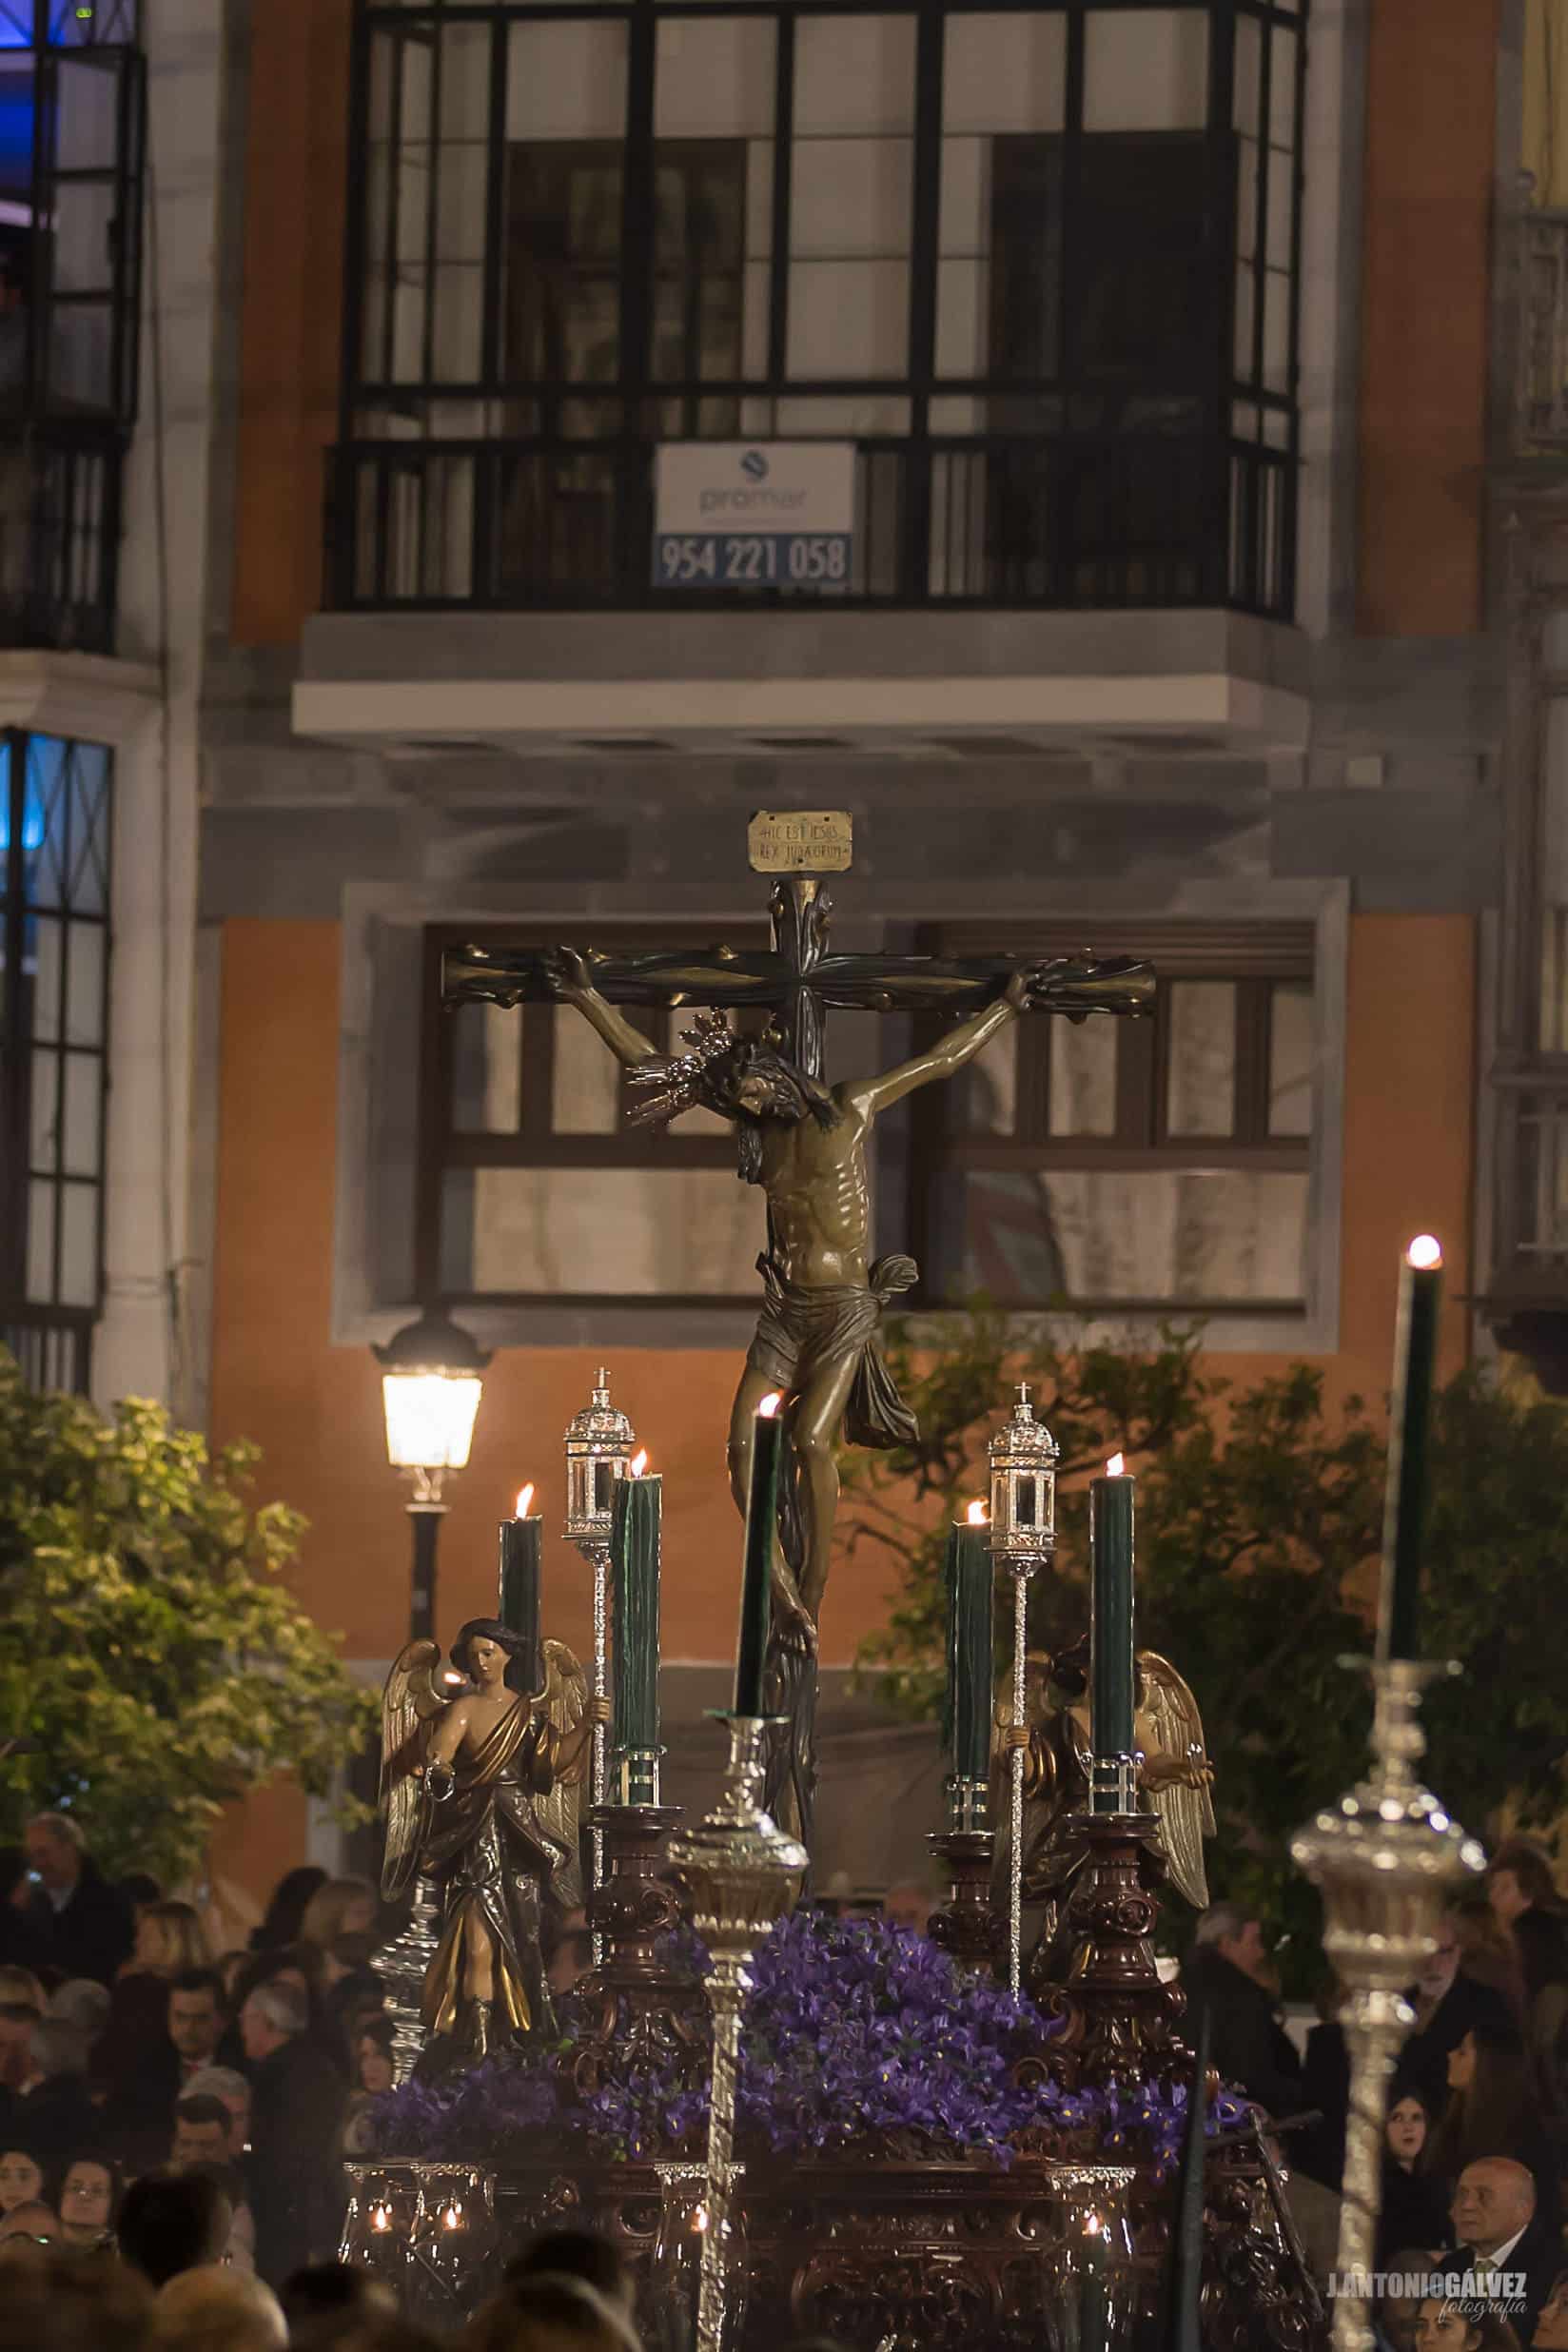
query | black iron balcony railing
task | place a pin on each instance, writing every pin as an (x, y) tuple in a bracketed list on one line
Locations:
[(59, 532), (1074, 522), (52, 1345)]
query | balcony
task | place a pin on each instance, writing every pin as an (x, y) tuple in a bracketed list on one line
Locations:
[(60, 485), (52, 1345), (1067, 523), (1540, 407)]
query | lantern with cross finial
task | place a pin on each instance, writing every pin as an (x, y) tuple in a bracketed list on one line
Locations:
[(1023, 1486), (599, 1450)]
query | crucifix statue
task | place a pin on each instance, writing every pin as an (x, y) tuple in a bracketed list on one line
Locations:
[(804, 1143)]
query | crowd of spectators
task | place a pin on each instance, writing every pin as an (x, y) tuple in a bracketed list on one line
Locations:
[(1477, 2135)]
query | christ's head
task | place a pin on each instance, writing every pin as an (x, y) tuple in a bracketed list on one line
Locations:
[(754, 1084)]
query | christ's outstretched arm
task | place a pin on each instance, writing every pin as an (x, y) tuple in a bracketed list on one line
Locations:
[(571, 979), (946, 1058)]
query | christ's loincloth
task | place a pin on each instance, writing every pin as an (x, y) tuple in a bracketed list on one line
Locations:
[(801, 1333)]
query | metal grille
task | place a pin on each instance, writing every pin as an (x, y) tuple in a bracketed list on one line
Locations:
[(1093, 402)]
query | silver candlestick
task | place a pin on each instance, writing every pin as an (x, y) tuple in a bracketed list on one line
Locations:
[(403, 1966), (742, 1873), (1386, 1857), (1023, 1536), (598, 1455)]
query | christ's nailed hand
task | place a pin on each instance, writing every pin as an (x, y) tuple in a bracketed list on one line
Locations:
[(569, 971)]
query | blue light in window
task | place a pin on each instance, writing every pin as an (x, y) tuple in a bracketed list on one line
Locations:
[(32, 827)]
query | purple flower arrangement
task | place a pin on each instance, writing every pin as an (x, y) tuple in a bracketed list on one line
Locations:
[(858, 2038)]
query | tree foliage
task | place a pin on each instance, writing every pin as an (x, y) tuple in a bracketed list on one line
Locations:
[(1258, 1527), (147, 1648)]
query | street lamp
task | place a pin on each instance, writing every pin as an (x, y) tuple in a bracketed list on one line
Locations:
[(432, 1378)]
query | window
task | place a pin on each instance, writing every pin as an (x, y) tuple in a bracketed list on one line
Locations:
[(54, 932), (1038, 263), (1158, 1163), (70, 147), (1131, 1165)]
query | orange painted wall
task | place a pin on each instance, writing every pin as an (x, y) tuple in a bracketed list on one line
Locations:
[(315, 1409), (1425, 322), (295, 193)]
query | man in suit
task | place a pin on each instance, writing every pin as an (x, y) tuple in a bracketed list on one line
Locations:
[(1447, 2004), (1229, 1976), (297, 2097), (82, 1926), (1498, 2234)]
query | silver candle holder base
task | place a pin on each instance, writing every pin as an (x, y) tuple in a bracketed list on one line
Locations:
[(1386, 1858), (403, 1966), (742, 1873)]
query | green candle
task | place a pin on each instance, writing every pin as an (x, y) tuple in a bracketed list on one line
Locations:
[(756, 1587), (1112, 1663), (634, 1599), (1409, 1437), (970, 1664), (518, 1605)]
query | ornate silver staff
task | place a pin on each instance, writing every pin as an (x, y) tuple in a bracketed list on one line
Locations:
[(1023, 1536), (598, 1451), (742, 1873)]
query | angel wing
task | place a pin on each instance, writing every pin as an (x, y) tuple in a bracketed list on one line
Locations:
[(1186, 1814), (409, 1702), (565, 1704)]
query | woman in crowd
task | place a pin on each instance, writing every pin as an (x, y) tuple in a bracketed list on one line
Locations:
[(341, 1907), (1414, 2203), (1443, 2327), (21, 2179), (373, 2073), (286, 1909), (1492, 2110), (90, 2201)]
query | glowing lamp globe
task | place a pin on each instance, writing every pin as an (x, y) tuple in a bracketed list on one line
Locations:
[(432, 1380)]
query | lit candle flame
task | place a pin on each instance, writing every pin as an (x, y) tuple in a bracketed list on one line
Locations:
[(452, 2218), (640, 1461), (770, 1405), (1116, 1466), (1426, 1252), (976, 1514), (525, 1500)]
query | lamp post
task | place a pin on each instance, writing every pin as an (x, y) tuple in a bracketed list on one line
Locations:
[(432, 1378)]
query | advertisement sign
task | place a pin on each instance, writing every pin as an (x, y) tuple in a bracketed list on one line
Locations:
[(753, 514)]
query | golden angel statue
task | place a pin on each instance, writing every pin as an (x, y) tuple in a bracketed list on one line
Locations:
[(481, 1793), (1174, 1775)]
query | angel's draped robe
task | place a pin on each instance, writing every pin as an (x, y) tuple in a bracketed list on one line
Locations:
[(492, 1858)]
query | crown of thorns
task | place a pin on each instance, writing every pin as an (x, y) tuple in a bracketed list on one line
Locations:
[(671, 1083)]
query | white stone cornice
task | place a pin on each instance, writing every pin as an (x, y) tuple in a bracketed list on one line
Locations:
[(89, 698)]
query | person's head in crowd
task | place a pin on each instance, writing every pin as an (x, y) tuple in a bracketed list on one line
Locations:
[(21, 2178), (232, 1970), (196, 2014), (571, 1952), (172, 2221), (1519, 1878), (17, 2019), (341, 1906), (140, 1888), (20, 1986), (1491, 2097), (82, 2002), (1485, 1952), (272, 2014), (1493, 2200), (360, 2331), (286, 1909), (211, 2309), (55, 1849), (908, 1905), (201, 2131), (374, 2064), (551, 2314), (346, 1959), (66, 2299), (1442, 2327), (170, 1939), (56, 2052), (333, 2290), (89, 2198), (232, 2091), (1442, 1964), (577, 2254), (1237, 1935), (1397, 2313), (1404, 2133), (1552, 2324)]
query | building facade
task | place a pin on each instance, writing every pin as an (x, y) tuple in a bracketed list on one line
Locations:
[(1174, 350)]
